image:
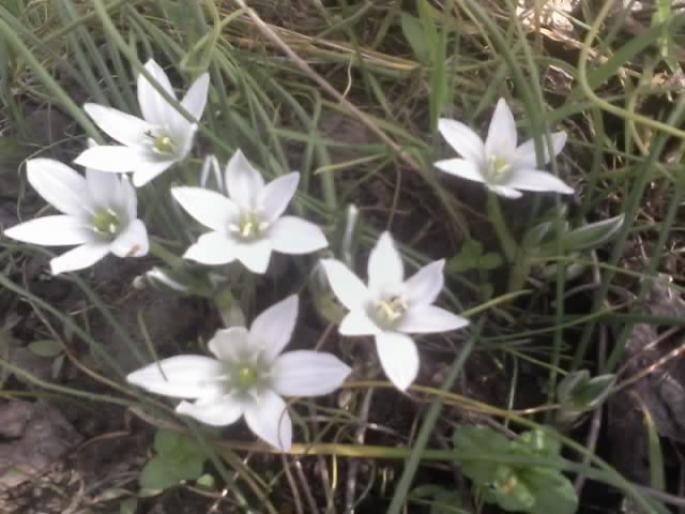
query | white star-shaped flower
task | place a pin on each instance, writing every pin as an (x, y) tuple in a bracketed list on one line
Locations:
[(248, 225), (150, 145), (390, 307), (498, 163), (248, 377), (99, 215)]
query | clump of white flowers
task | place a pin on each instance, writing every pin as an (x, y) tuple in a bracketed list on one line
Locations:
[(249, 374)]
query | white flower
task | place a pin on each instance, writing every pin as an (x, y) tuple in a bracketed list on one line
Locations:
[(390, 307), (248, 376), (248, 224), (99, 216), (503, 167), (152, 144)]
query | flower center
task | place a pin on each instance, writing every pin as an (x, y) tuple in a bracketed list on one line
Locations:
[(247, 377), (163, 145), (106, 222), (250, 227), (388, 312), (498, 169)]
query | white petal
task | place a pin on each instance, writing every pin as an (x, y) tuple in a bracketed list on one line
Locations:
[(212, 249), (424, 286), (182, 376), (535, 180), (57, 230), (268, 418), (216, 412), (465, 141), (118, 159), (399, 358), (255, 255), (243, 182), (501, 140), (230, 344), (195, 99), (105, 189), (351, 291), (80, 257), (184, 138), (60, 185), (124, 128), (307, 373), (358, 323), (210, 208), (132, 242), (276, 195), (526, 156), (428, 319), (149, 170), (296, 236), (461, 168), (385, 268), (273, 328), (154, 107), (505, 191)]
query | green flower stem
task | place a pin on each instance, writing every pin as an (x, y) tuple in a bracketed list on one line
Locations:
[(413, 461), (170, 259), (520, 271), (506, 240)]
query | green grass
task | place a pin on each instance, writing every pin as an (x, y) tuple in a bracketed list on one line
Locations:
[(381, 74)]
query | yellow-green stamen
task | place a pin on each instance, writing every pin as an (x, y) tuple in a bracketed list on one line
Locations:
[(163, 144), (106, 222), (389, 311), (250, 226), (247, 377), (498, 168)]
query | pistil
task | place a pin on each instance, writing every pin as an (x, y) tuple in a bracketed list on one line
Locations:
[(106, 222), (163, 145)]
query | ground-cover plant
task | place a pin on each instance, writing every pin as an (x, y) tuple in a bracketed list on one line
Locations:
[(552, 394)]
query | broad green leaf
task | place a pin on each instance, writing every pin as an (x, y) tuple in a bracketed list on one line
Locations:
[(442, 500), (178, 458), (570, 383), (490, 261), (427, 20), (539, 442), (594, 391), (412, 28), (519, 487), (207, 481), (553, 492), (592, 235), (47, 348), (467, 258), (473, 440)]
